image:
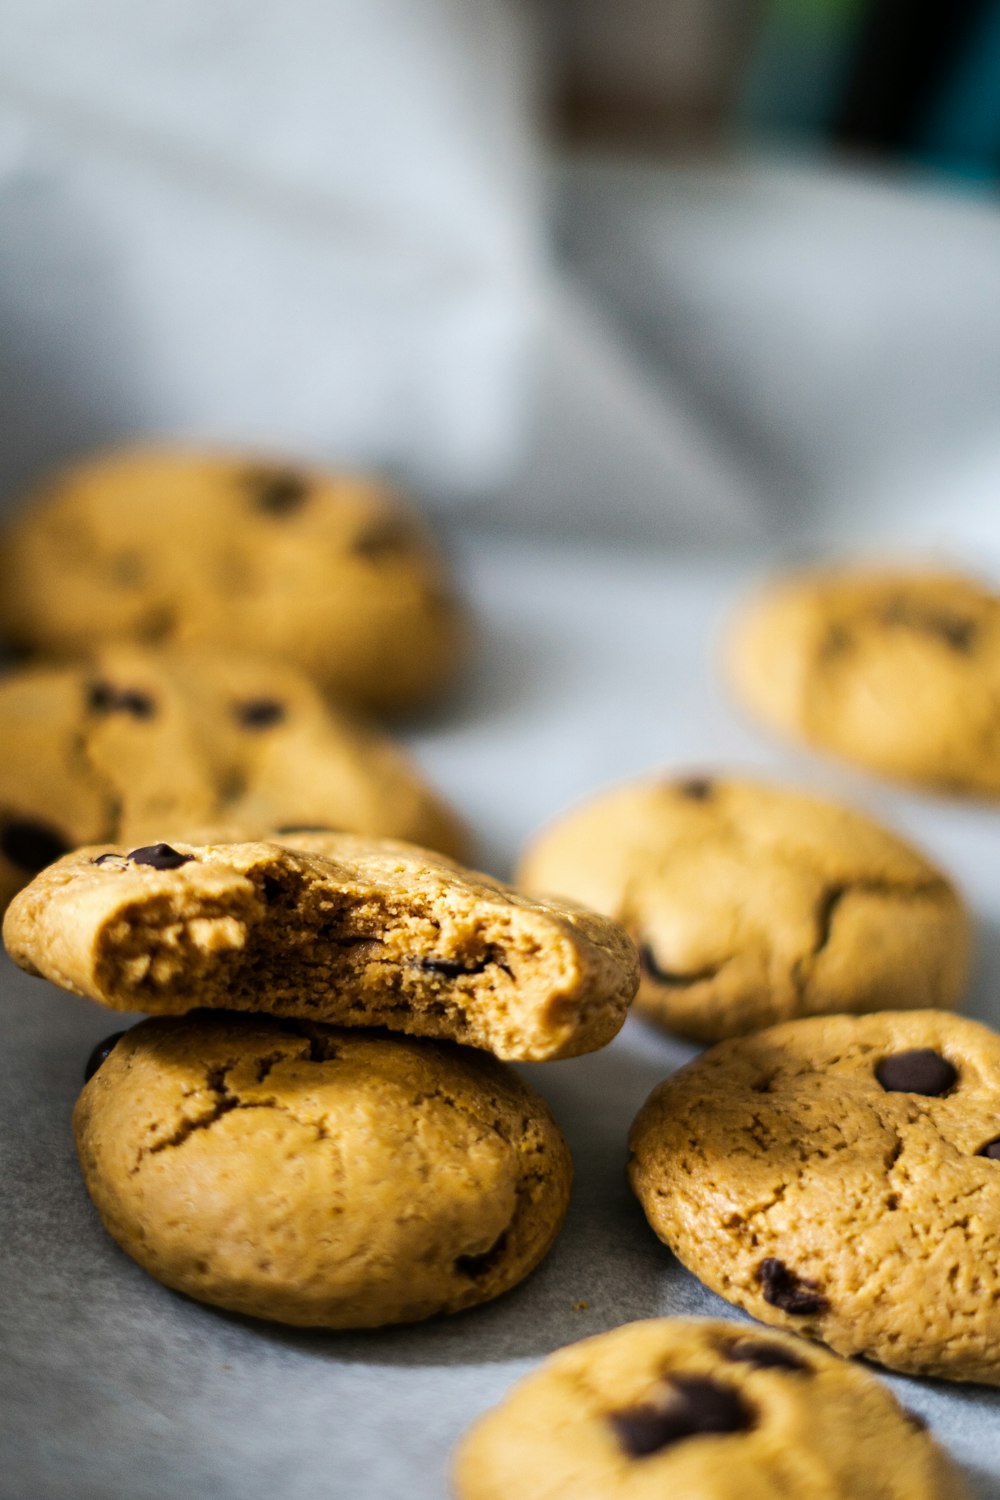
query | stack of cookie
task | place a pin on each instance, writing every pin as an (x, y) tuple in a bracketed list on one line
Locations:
[(290, 1162), (257, 1144)]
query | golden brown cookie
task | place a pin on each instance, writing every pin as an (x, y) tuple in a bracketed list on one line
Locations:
[(137, 745), (897, 670), (320, 1177), (334, 573), (840, 1176), (373, 933), (751, 904), (700, 1410)]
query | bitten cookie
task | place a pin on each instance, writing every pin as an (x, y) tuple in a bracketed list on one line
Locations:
[(896, 670), (373, 933), (333, 573), (320, 1177), (752, 905), (700, 1410), (138, 745), (841, 1177)]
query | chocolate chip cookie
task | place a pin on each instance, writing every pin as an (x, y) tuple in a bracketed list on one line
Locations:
[(896, 670), (840, 1176), (136, 745), (751, 904), (320, 1177), (700, 1410), (334, 573), (371, 933)]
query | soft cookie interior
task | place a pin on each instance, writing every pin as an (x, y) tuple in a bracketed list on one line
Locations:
[(384, 935)]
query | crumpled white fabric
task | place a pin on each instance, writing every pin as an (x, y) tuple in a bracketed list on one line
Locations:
[(328, 227), (315, 224)]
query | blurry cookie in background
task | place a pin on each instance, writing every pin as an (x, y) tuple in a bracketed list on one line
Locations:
[(136, 745), (320, 1177), (897, 670), (699, 1409), (839, 1177), (751, 904), (334, 573)]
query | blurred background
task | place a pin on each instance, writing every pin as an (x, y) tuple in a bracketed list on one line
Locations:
[(703, 271)]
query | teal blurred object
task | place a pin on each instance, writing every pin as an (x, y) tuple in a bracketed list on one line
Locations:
[(797, 70), (912, 79)]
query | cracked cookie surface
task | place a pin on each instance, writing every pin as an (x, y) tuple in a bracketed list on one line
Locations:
[(702, 1409), (751, 904), (368, 933), (332, 572), (317, 1176), (139, 745), (896, 670), (840, 1176)]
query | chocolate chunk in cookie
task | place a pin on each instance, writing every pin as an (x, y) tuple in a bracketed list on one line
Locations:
[(921, 1070)]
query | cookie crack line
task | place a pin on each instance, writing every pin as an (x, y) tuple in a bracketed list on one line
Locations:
[(225, 1103), (831, 899)]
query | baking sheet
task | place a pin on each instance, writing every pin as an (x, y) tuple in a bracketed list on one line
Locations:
[(593, 665)]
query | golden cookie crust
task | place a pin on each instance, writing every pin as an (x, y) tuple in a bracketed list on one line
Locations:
[(371, 933), (791, 1173), (751, 904), (332, 572), (897, 670), (316, 1176), (137, 745), (807, 1424)]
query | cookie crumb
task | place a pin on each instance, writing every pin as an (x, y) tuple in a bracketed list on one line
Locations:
[(581, 1306)]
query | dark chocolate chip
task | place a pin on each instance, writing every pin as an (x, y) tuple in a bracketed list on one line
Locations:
[(160, 856), (793, 1294), (451, 968), (107, 859), (991, 1149), (104, 698), (921, 1071), (692, 1406), (956, 631), (697, 789), (448, 968), (31, 845), (259, 713), (100, 1054), (765, 1355), (276, 491)]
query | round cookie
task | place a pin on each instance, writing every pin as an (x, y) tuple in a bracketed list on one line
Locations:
[(138, 745), (332, 572), (897, 670), (840, 1176), (700, 1410), (320, 1177), (751, 904)]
